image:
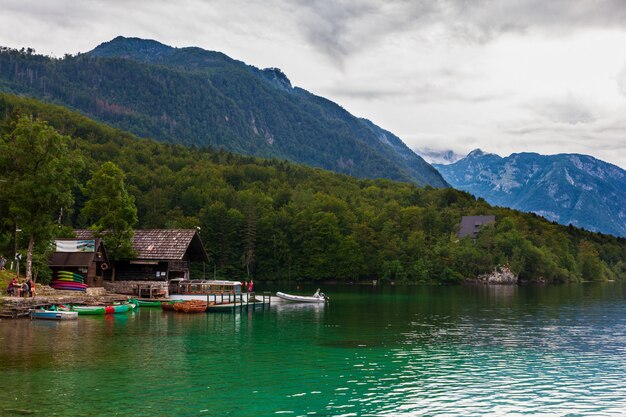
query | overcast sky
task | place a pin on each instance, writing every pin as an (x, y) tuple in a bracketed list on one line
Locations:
[(545, 76)]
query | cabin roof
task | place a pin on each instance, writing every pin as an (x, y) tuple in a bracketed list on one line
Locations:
[(470, 225), (78, 259), (164, 244)]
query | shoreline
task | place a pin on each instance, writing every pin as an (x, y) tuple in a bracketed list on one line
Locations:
[(18, 307)]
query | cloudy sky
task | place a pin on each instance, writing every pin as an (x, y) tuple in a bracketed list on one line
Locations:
[(505, 76)]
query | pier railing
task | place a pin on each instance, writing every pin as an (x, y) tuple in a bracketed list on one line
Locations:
[(237, 300)]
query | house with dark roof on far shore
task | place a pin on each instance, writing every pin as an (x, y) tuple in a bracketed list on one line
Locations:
[(161, 254), (470, 225)]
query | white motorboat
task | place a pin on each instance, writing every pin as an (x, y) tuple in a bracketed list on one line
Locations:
[(318, 297)]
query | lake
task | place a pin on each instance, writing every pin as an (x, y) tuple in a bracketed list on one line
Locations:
[(372, 351)]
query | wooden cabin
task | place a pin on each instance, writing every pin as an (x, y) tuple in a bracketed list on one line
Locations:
[(470, 225), (87, 257), (161, 254)]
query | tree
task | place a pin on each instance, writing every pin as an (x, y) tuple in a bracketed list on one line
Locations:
[(589, 262), (111, 211), (39, 169)]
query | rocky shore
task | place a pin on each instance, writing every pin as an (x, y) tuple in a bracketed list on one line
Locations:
[(501, 275), (14, 307)]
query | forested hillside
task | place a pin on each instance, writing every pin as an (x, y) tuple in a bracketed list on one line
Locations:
[(285, 221), (195, 97)]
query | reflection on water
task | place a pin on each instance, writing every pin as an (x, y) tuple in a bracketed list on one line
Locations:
[(397, 351)]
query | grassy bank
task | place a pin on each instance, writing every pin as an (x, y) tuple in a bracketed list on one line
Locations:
[(5, 277)]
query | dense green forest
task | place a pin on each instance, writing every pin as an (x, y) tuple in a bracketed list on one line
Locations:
[(195, 97), (276, 220)]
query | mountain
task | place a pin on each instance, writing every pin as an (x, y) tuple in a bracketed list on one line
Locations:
[(565, 188), (434, 156), (203, 98)]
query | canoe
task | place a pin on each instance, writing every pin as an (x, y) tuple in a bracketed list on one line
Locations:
[(74, 283), (100, 310), (68, 285), (69, 288), (53, 315), (191, 307), (169, 305), (62, 284), (115, 309), (141, 303), (89, 310), (318, 297), (67, 274), (63, 279)]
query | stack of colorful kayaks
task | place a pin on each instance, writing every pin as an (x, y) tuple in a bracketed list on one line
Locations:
[(68, 281)]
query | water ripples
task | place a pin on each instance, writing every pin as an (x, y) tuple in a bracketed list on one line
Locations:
[(367, 356)]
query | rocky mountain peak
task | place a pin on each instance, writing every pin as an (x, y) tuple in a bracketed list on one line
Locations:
[(277, 77), (565, 188)]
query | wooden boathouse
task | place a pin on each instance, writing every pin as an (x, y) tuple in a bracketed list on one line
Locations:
[(161, 255), (86, 256)]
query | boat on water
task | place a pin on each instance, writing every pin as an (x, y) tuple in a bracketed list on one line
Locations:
[(318, 297), (192, 306), (53, 315), (99, 310), (141, 303), (169, 305)]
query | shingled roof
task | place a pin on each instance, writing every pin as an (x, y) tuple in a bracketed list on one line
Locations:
[(470, 225), (163, 244)]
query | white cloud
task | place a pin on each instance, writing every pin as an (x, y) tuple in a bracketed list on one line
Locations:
[(506, 76)]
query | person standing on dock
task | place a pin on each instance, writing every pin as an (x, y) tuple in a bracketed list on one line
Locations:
[(251, 286), (31, 288)]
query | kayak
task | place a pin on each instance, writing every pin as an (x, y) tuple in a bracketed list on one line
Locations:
[(67, 285), (89, 310), (100, 310), (69, 273), (140, 303)]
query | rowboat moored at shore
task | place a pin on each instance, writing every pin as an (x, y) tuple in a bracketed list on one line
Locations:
[(141, 303), (193, 306)]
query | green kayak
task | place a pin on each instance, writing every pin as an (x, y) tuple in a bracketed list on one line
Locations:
[(88, 310), (140, 303), (98, 310)]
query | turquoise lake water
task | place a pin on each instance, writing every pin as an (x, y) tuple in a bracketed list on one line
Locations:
[(394, 351)]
